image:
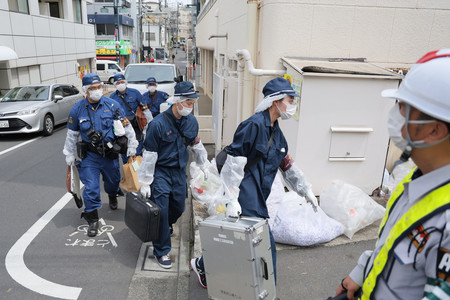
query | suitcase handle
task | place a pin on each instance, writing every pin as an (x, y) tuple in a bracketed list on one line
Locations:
[(264, 268)]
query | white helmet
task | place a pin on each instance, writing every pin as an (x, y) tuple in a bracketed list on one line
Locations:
[(427, 85)]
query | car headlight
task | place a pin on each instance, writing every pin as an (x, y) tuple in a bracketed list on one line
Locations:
[(28, 111)]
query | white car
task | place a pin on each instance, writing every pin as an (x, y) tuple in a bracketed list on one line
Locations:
[(34, 108), (166, 75), (106, 69)]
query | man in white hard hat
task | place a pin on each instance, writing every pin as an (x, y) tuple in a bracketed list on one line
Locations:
[(411, 259)]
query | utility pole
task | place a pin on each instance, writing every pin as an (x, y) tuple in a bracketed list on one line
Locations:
[(117, 31)]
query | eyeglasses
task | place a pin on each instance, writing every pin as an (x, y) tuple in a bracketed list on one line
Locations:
[(94, 88)]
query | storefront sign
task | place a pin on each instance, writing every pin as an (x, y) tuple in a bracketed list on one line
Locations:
[(109, 47)]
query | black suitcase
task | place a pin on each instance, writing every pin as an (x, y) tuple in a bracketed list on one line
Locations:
[(142, 217)]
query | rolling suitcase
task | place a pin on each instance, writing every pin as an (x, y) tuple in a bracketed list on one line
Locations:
[(142, 217), (238, 258)]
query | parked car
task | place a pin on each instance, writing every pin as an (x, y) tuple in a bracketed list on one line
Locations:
[(35, 108), (167, 75), (106, 69)]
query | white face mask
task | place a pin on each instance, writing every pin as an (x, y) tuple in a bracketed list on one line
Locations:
[(395, 124), (96, 95), (151, 89), (184, 111), (121, 87), (290, 111)]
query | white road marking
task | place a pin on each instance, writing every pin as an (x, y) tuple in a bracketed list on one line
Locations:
[(113, 241), (15, 265), (19, 145)]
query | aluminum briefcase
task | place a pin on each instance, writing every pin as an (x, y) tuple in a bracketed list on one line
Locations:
[(238, 258), (142, 217)]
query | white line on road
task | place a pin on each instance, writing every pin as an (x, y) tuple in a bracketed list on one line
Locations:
[(113, 241), (19, 145), (15, 264)]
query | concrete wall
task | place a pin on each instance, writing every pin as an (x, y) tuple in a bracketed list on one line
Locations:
[(390, 33), (49, 49)]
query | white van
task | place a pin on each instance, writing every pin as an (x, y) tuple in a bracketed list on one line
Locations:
[(166, 75), (106, 69)]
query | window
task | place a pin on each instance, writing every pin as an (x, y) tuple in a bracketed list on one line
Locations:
[(76, 11), (105, 29), (54, 9), (113, 67), (58, 91), (75, 90), (18, 5), (100, 67)]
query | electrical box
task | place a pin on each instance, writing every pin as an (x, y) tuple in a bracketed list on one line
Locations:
[(340, 128)]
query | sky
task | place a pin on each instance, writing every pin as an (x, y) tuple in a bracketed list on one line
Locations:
[(173, 3)]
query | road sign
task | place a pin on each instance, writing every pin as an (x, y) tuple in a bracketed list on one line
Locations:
[(133, 51), (133, 56)]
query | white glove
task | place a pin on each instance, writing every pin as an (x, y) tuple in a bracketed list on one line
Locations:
[(311, 198), (145, 191), (233, 209), (131, 151), (70, 160)]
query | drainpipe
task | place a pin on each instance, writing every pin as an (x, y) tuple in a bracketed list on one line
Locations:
[(248, 91), (243, 92)]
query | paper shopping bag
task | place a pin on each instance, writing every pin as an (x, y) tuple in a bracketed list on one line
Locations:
[(130, 181)]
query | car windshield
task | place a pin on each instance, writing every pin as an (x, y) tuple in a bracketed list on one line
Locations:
[(140, 73), (27, 93)]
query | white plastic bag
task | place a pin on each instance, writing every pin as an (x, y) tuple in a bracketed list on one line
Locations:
[(297, 223), (350, 206), (275, 197), (208, 194)]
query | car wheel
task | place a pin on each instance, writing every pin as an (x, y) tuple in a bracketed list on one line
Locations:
[(49, 125), (111, 80)]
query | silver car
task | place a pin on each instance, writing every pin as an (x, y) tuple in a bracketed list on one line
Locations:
[(34, 108)]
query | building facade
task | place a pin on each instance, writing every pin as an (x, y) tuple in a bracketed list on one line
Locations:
[(105, 15), (52, 39)]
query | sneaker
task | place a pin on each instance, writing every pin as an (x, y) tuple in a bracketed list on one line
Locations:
[(200, 273), (112, 202), (164, 261)]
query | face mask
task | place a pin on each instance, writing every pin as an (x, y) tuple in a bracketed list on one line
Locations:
[(121, 87), (184, 111), (290, 111), (151, 89), (96, 95), (395, 124)]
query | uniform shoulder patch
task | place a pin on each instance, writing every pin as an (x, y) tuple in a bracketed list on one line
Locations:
[(419, 237), (443, 264), (70, 120)]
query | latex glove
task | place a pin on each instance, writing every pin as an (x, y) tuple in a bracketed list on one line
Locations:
[(131, 151), (70, 160), (311, 198), (233, 209), (146, 191)]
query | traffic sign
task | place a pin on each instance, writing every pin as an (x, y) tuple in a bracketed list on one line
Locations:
[(133, 51)]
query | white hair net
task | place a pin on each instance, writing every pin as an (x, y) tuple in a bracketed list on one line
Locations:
[(179, 99), (85, 87), (266, 102)]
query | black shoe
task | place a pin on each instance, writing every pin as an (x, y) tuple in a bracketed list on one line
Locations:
[(171, 230), (92, 219), (120, 193), (199, 272), (112, 202)]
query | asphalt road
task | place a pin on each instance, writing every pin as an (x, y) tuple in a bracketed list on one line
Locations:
[(52, 254)]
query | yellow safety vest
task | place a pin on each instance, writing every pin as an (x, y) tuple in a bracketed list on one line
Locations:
[(433, 203)]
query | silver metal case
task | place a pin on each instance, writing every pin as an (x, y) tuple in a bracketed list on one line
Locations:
[(238, 258)]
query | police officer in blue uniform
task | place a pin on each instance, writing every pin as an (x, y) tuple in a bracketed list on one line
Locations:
[(153, 98), (258, 151), (102, 125), (130, 99), (162, 173)]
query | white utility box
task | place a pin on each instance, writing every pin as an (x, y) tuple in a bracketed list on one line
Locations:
[(340, 129)]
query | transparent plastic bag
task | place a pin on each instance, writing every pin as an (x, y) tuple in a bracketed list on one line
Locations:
[(207, 193), (350, 206), (297, 223)]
